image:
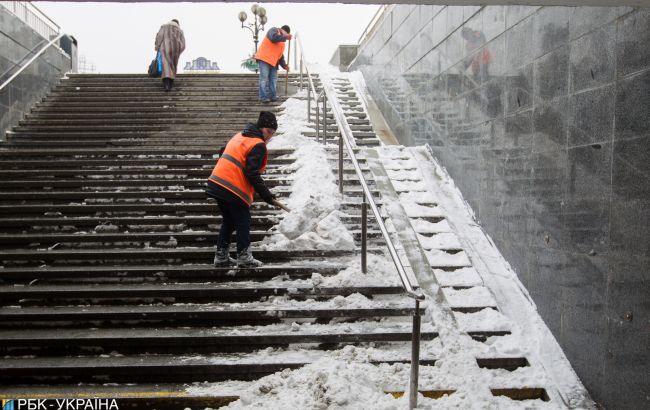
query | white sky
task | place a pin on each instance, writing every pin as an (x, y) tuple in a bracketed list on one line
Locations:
[(119, 37)]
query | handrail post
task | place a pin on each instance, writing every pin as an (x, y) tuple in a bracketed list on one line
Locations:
[(324, 118), (308, 102), (317, 120), (301, 74), (295, 55), (415, 357), (364, 235), (341, 163)]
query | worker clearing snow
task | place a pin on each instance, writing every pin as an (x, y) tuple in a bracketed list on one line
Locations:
[(233, 182)]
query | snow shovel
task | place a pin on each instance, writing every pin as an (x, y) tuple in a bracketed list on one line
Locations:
[(281, 205)]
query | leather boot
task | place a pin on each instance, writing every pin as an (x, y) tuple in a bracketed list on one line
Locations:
[(222, 258), (245, 259)]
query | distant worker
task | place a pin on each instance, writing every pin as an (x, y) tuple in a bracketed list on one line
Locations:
[(269, 56), (170, 41), (480, 62), (234, 180)]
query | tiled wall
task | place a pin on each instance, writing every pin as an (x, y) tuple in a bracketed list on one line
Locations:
[(548, 138), (16, 41)]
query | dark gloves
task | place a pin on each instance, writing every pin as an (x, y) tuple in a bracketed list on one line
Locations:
[(269, 198)]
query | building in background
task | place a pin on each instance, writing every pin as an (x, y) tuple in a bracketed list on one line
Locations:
[(201, 65)]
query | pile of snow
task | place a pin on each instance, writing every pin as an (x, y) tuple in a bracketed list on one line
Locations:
[(315, 220)]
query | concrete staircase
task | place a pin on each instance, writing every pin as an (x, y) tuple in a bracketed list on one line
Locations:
[(107, 246)]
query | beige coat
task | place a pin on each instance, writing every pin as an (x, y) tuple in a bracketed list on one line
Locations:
[(170, 41)]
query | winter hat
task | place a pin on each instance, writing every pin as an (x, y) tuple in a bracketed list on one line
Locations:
[(267, 120), (286, 28)]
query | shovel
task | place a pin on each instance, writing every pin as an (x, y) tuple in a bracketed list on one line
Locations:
[(281, 205)]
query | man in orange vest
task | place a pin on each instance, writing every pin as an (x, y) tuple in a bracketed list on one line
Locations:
[(269, 56), (234, 180)]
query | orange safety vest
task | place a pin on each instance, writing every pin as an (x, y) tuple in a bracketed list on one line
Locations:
[(229, 171), (270, 52)]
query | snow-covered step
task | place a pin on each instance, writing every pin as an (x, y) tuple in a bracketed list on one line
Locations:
[(171, 367), (444, 258), (458, 277), (235, 338), (130, 238), (206, 291), (353, 306), (167, 273), (174, 255)]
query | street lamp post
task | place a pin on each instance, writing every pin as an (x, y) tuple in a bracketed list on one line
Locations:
[(259, 19)]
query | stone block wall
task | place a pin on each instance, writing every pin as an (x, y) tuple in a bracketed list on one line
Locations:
[(542, 117), (17, 39)]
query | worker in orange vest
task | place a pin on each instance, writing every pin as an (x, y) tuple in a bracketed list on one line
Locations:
[(269, 56), (234, 180)]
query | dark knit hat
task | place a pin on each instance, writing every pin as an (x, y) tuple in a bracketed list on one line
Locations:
[(267, 120), (286, 28)]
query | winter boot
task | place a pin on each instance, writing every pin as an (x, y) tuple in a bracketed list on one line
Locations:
[(222, 258), (245, 259)]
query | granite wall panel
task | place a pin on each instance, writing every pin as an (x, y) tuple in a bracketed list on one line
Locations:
[(542, 117), (17, 40)]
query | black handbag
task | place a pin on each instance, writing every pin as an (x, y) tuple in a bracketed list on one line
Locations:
[(153, 69)]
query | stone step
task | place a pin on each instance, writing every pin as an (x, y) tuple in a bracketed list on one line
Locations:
[(212, 292), (161, 109), (137, 153), (356, 134), (145, 124), (161, 181), (160, 101), (203, 339), (165, 273), (122, 197), (117, 163), (110, 78), (169, 143), (159, 396), (122, 130), (158, 254), (121, 170), (162, 219), (214, 88), (130, 239), (163, 368), (180, 92), (13, 317), (162, 116)]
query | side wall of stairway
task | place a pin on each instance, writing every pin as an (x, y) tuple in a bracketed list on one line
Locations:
[(17, 39), (540, 115)]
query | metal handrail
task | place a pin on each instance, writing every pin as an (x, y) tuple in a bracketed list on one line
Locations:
[(346, 132), (344, 139), (31, 60), (33, 17), (311, 90)]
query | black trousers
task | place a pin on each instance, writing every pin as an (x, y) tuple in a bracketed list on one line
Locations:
[(236, 217)]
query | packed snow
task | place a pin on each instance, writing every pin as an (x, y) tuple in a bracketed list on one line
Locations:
[(314, 221)]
